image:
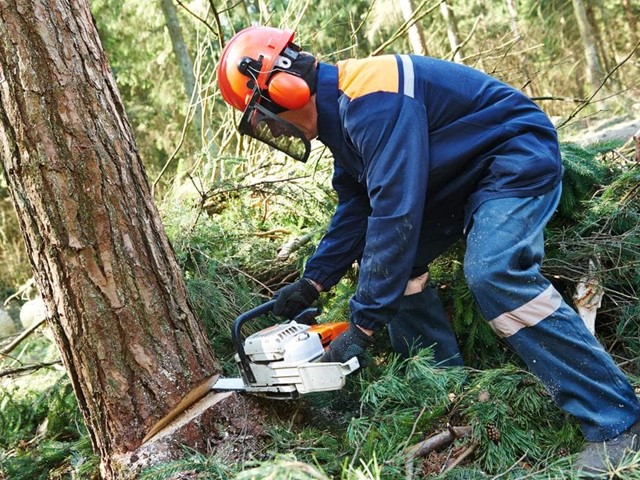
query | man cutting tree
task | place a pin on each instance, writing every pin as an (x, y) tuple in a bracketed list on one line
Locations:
[(427, 152)]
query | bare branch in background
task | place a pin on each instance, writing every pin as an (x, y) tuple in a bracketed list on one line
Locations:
[(402, 30), (28, 368), (595, 92)]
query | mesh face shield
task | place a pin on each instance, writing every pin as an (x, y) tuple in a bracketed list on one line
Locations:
[(260, 123)]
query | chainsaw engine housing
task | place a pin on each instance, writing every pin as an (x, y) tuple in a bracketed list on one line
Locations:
[(288, 342), (283, 361)]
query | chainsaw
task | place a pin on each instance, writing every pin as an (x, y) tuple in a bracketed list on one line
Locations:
[(279, 362)]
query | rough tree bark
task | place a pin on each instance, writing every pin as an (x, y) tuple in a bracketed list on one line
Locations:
[(114, 293)]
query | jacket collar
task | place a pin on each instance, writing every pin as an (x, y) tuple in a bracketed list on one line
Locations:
[(327, 94)]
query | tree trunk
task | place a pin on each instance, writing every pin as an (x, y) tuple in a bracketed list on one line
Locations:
[(179, 46), (593, 70), (517, 35), (513, 18), (203, 133), (114, 293), (184, 61), (416, 34), (452, 31), (632, 21), (605, 48)]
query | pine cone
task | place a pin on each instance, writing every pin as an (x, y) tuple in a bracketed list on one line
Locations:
[(493, 433), (484, 396), (563, 452)]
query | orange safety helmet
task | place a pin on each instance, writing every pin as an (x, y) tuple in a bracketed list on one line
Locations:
[(254, 58)]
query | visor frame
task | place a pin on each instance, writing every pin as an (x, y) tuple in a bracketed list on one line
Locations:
[(247, 127)]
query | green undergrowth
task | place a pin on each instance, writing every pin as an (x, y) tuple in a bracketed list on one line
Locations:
[(42, 435), (516, 429), (363, 431)]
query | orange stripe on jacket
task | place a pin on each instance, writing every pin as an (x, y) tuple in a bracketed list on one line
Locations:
[(357, 78)]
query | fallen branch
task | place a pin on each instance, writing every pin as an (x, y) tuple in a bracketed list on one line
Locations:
[(432, 443), (461, 458), (273, 233), (437, 441), (292, 245), (27, 368)]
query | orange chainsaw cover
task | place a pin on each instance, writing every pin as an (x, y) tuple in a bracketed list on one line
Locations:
[(329, 331)]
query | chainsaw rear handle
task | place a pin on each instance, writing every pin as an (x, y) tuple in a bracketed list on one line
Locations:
[(306, 316)]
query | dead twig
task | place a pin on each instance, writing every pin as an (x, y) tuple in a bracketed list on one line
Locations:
[(467, 39), (432, 443), (27, 368), (579, 108), (199, 18), (404, 28), (510, 468), (437, 441), (21, 337), (28, 285), (462, 457)]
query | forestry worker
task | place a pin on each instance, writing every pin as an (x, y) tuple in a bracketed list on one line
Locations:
[(427, 152)]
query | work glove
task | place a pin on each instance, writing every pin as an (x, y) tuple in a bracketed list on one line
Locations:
[(352, 343), (294, 298)]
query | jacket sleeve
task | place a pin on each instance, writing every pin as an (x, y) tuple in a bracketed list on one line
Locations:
[(390, 132), (343, 242)]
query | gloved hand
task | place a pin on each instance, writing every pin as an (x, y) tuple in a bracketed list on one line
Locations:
[(352, 343), (294, 298)]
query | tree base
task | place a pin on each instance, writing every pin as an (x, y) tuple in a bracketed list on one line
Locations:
[(228, 424)]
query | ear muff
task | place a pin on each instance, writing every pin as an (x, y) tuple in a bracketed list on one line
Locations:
[(288, 91)]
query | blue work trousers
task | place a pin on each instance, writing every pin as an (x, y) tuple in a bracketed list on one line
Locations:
[(505, 248)]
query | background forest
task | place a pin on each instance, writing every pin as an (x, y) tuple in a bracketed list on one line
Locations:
[(242, 220)]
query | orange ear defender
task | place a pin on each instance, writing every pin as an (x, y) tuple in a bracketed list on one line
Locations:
[(289, 91)]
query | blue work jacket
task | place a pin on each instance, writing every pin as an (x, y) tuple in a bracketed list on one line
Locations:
[(418, 144)]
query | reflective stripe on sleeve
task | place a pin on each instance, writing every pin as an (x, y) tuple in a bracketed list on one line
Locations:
[(409, 78), (528, 315)]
